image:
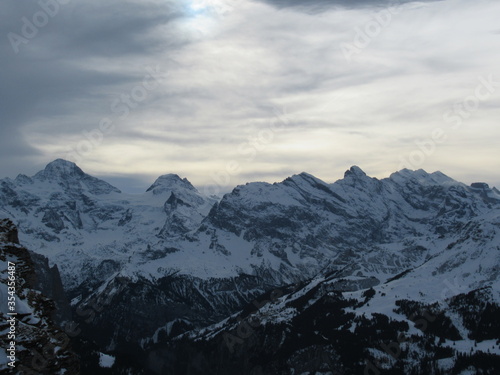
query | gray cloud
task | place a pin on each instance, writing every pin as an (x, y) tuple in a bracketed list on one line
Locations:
[(233, 69), (57, 74), (317, 6)]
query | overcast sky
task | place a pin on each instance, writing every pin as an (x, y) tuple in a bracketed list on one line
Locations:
[(229, 91)]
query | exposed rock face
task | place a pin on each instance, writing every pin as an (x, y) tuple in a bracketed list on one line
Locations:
[(480, 185), (48, 282), (8, 232), (140, 309), (40, 346)]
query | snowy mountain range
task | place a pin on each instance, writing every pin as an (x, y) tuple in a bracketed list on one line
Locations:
[(171, 260)]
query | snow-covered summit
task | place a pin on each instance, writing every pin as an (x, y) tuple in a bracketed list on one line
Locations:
[(62, 211), (354, 171), (69, 176), (422, 177), (169, 182), (60, 168)]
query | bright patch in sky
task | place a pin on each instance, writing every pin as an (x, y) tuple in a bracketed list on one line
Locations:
[(211, 7), (198, 5), (203, 15)]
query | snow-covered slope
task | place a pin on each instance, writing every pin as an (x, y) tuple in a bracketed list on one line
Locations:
[(410, 283), (89, 228), (440, 317), (295, 227), (193, 260)]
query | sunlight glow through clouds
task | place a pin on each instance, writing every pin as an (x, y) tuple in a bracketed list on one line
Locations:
[(198, 5), (204, 16)]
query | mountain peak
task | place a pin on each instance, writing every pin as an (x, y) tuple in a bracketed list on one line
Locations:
[(422, 177), (305, 179), (167, 182), (354, 171), (480, 185), (306, 175), (60, 167), (62, 164), (406, 173), (69, 175)]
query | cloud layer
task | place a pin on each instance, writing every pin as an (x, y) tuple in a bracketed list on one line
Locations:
[(227, 92)]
